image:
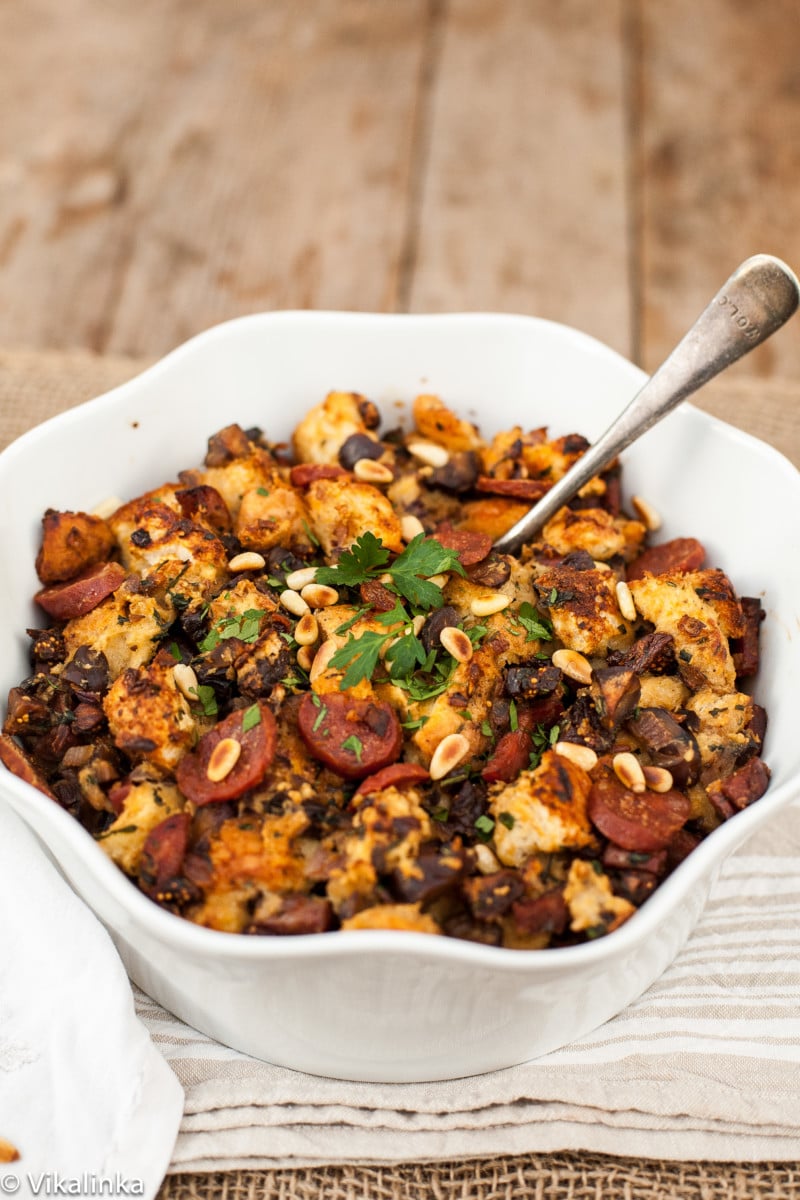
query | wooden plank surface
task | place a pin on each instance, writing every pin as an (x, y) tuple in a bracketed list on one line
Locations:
[(168, 164), (717, 160), (524, 201)]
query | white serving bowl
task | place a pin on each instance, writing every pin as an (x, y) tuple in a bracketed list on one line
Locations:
[(379, 1005)]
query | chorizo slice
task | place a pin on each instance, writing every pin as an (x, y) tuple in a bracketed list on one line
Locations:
[(680, 554), (254, 729), (307, 473), (471, 546), (397, 775), (81, 595), (163, 852), (519, 489), (743, 787), (644, 822), (19, 764), (512, 753), (356, 738)]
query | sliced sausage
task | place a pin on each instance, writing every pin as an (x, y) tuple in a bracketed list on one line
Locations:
[(742, 787), (353, 737), (511, 755), (491, 896), (470, 545), (520, 489), (745, 649), (680, 554), (163, 852), (305, 473), (547, 913), (81, 595), (298, 914), (19, 764), (397, 775), (644, 822), (257, 753)]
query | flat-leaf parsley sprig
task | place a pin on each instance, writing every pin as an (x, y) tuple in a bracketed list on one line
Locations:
[(409, 572)]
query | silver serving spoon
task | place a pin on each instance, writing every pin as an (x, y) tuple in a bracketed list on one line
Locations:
[(759, 297)]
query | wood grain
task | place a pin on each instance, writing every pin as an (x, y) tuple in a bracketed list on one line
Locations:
[(524, 201), (717, 159), (168, 164)]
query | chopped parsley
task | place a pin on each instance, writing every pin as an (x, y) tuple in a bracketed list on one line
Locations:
[(368, 558), (206, 698), (484, 827), (507, 819), (535, 626), (245, 628), (250, 718), (353, 745)]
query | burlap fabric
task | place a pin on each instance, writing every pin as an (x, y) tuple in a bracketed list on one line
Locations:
[(34, 386)]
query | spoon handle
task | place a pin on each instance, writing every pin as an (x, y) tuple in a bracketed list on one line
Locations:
[(759, 297)]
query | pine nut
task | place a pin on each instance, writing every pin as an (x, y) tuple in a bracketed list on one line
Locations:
[(573, 665), (224, 758), (628, 770), (582, 756), (451, 750), (185, 680), (485, 860), (368, 470), (431, 453), (293, 602), (321, 659), (305, 657), (106, 507), (601, 566), (658, 779), (306, 631), (625, 601), (439, 580), (456, 642), (410, 527), (646, 513), (319, 595), (297, 580), (249, 561), (416, 625), (486, 606), (386, 578)]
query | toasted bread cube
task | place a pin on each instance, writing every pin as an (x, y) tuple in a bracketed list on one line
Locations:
[(596, 531), (700, 611), (150, 720), (591, 902), (273, 515), (437, 423), (147, 804), (584, 610), (548, 810), (320, 435), (343, 509), (71, 542), (393, 916)]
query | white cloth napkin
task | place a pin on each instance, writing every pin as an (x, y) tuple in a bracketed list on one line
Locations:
[(84, 1095)]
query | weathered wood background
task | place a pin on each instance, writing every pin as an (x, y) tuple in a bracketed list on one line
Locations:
[(167, 164)]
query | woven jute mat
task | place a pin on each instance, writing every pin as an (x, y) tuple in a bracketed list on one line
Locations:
[(34, 386)]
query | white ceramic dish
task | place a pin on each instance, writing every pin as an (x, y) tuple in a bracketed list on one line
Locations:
[(383, 1005)]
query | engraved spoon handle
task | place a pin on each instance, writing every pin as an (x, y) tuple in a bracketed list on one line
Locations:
[(759, 297)]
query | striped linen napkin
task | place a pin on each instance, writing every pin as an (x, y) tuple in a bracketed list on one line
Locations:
[(705, 1065)]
